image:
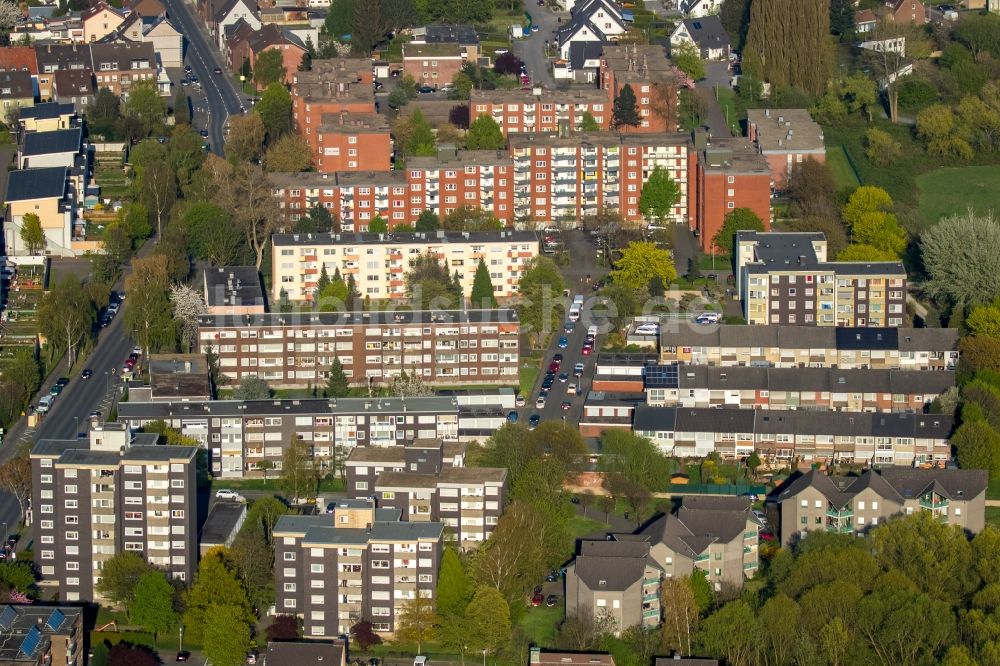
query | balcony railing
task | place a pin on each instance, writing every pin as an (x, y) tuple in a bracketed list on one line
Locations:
[(846, 512), (933, 503)]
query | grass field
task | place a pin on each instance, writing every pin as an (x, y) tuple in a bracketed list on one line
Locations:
[(539, 624), (952, 189), (993, 516), (841, 169)]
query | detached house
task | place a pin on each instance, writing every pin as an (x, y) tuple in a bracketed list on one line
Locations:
[(906, 11), (45, 193), (231, 11), (167, 41), (707, 35), (271, 37), (593, 21), (100, 21)]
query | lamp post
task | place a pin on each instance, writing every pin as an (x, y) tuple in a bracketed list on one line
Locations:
[(180, 638), (484, 656)]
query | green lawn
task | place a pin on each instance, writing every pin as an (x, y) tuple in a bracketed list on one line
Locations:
[(951, 190), (528, 375), (993, 516), (993, 490), (539, 624), (841, 169), (730, 109), (578, 526)]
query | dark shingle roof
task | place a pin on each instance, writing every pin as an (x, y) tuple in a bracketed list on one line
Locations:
[(19, 84), (46, 111), (44, 183), (580, 52), (707, 32), (615, 566)]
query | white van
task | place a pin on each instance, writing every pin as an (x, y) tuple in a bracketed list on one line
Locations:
[(45, 404)]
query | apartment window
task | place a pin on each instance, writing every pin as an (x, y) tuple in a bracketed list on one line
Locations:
[(71, 504), (289, 587), (380, 564), (177, 513), (289, 557), (316, 568), (70, 489)]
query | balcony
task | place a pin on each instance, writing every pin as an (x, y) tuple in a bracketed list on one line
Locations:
[(846, 512), (933, 502), (749, 565), (651, 613), (701, 558), (650, 597), (845, 528)]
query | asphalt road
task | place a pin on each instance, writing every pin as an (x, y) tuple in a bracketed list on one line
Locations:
[(221, 97), (531, 50), (583, 262)]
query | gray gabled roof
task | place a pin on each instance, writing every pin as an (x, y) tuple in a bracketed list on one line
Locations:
[(707, 32), (44, 183), (892, 483), (612, 565), (581, 52), (50, 143)]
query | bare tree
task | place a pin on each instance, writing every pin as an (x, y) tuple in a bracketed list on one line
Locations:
[(188, 306), (10, 13), (680, 614), (15, 478), (245, 190), (889, 44)]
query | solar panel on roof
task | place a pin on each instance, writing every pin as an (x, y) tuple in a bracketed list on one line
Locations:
[(30, 642), (55, 620), (661, 376), (697, 25), (7, 617)]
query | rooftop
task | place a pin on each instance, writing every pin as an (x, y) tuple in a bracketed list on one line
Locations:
[(345, 121), (418, 238), (785, 130), (178, 376), (394, 317), (538, 94), (435, 49), (461, 34), (733, 155), (811, 337), (26, 631), (47, 110), (777, 251), (892, 483), (29, 184), (299, 653), (237, 286), (261, 408), (50, 143), (586, 139), (16, 84), (223, 519), (707, 32)]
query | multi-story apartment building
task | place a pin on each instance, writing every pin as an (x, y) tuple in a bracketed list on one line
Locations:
[(350, 142), (655, 81), (379, 262), (123, 493), (730, 174), (813, 436), (717, 535), (120, 65), (295, 350), (614, 582), (41, 635), (853, 505), (357, 563), (794, 388), (785, 278), (561, 178), (808, 346), (233, 290), (785, 137), (241, 435), (427, 481), (540, 109)]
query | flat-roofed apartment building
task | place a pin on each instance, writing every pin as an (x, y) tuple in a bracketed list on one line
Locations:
[(653, 78), (794, 388), (559, 176), (541, 109), (379, 262), (41, 635), (358, 562), (785, 137), (118, 492), (854, 505), (810, 346), (785, 278), (417, 480), (813, 436), (241, 435)]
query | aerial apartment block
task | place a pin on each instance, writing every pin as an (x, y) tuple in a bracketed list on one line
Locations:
[(654, 79), (853, 505), (541, 110), (812, 436), (614, 582), (785, 278), (359, 562), (786, 138), (41, 635), (379, 262), (417, 480), (242, 435), (295, 350), (793, 346), (119, 492)]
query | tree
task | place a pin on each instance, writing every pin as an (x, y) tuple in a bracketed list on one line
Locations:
[(408, 386), (428, 221), (246, 191), (289, 628), (246, 137), (188, 307), (868, 214), (485, 134), (368, 28), (688, 60), (212, 235), (144, 109), (454, 587), (275, 111), (470, 218), (539, 309), (724, 633), (588, 123), (429, 286), (881, 149), (508, 64), (625, 113), (127, 654), (339, 19), (421, 141), (288, 154), (269, 68), (984, 320), (32, 234), (680, 615), (488, 617), (337, 386), (182, 108), (104, 113), (659, 195), (155, 181), (978, 447), (957, 253), (735, 17), (66, 316), (936, 126), (363, 634), (787, 44), (642, 262), (147, 317), (739, 219), (226, 637), (633, 468), (513, 557), (216, 592), (153, 604), (253, 560), (864, 252), (378, 225), (417, 621), (482, 288), (185, 153), (841, 17), (15, 477), (459, 116), (120, 578), (252, 388), (298, 472)]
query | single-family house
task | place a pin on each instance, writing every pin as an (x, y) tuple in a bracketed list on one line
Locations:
[(121, 65), (167, 41), (45, 193), (433, 64), (17, 91), (271, 37), (906, 11), (47, 116), (585, 61), (75, 87), (865, 20), (229, 13), (707, 34), (100, 21), (699, 8), (598, 21)]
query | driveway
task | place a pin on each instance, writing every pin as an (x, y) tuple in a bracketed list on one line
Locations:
[(532, 49), (716, 74)]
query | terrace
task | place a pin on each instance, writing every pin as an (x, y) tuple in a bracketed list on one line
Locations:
[(20, 295)]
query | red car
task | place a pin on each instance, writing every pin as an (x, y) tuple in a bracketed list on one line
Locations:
[(766, 536), (554, 366), (537, 599), (586, 351)]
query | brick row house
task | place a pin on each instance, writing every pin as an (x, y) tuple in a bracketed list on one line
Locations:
[(117, 492), (116, 66), (358, 562), (811, 436), (379, 262), (241, 436), (811, 346), (784, 278)]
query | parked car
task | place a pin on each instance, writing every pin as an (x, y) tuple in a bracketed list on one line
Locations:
[(578, 370), (537, 599), (519, 401), (554, 366), (425, 89), (225, 493), (533, 421), (217, 70), (587, 349), (563, 342), (571, 389), (540, 403), (183, 655), (87, 372), (512, 416), (551, 600), (563, 378), (552, 576)]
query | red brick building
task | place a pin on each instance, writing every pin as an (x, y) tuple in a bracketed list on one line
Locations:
[(786, 138), (271, 37), (654, 79), (433, 64), (906, 11), (730, 174), (540, 110), (351, 142)]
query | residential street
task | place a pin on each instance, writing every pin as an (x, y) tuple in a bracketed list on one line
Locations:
[(531, 49), (221, 96), (716, 74)]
